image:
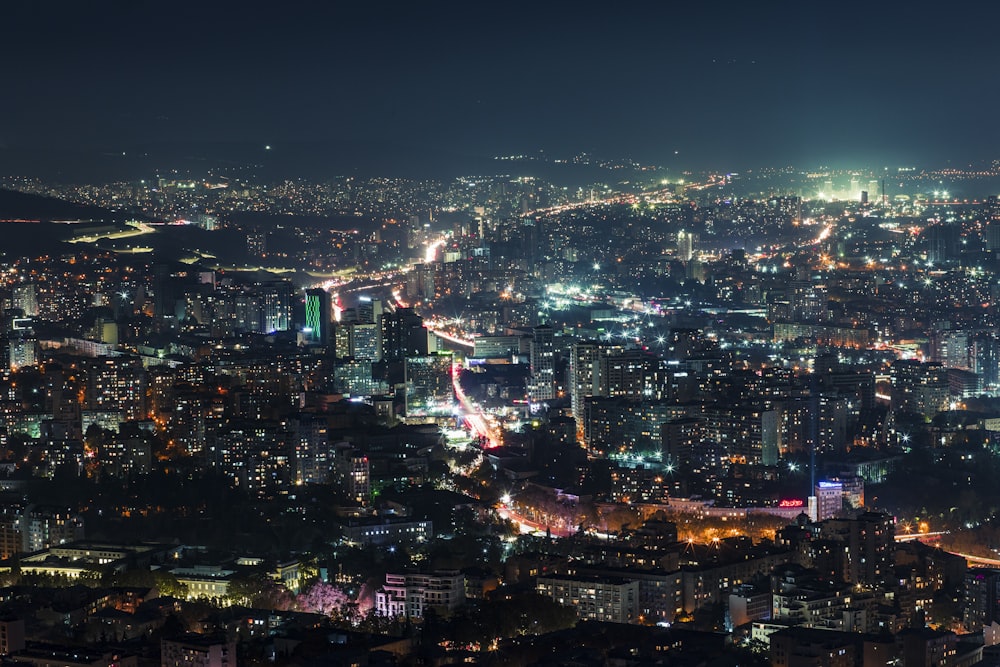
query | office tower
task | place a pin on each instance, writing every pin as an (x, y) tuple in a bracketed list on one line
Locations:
[(364, 341), (275, 304), (985, 358), (403, 335), (685, 245), (429, 388), (342, 340), (369, 310), (318, 316)]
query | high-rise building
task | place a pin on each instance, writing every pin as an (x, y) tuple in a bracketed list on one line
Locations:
[(369, 310), (117, 383), (43, 527), (22, 350), (981, 598), (867, 540), (351, 473), (25, 297), (584, 356), (631, 373), (920, 388), (829, 500), (164, 292), (542, 385), (318, 316), (429, 388), (403, 335), (364, 341), (942, 243), (985, 358), (342, 340), (313, 456), (276, 305), (685, 245), (682, 438)]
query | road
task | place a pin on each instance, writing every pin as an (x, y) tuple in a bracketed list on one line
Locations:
[(527, 526), (474, 417)]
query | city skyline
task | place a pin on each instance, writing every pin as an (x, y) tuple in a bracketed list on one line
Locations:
[(499, 334)]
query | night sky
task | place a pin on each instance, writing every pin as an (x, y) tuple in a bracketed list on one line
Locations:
[(724, 84)]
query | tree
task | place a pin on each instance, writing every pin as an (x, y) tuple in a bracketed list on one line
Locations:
[(322, 598), (260, 591)]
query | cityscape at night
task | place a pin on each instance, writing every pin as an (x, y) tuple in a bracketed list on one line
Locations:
[(579, 335)]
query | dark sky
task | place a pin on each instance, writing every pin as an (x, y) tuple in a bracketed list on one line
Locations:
[(722, 83)]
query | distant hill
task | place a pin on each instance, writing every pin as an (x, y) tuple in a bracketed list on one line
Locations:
[(23, 206), (317, 161), (29, 223)]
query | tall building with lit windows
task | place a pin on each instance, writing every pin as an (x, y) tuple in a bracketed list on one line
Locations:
[(542, 357), (685, 245), (117, 383), (25, 297), (351, 473), (276, 306), (22, 350), (313, 456), (585, 373), (429, 389)]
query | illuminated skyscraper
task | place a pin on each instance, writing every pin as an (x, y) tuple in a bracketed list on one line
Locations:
[(276, 306), (685, 245), (318, 316), (364, 341)]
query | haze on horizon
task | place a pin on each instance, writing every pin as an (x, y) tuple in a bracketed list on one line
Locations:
[(724, 85)]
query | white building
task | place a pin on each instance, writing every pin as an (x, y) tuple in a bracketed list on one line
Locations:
[(607, 599), (409, 595)]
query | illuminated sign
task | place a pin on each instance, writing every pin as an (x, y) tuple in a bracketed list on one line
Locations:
[(792, 502)]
